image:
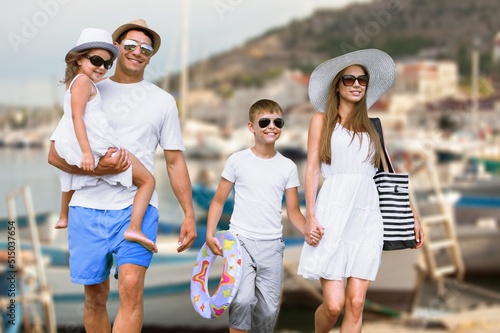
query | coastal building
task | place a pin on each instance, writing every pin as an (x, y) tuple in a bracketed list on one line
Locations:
[(427, 80), (290, 88), (454, 113), (418, 82)]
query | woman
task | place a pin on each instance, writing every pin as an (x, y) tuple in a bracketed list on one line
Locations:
[(344, 147)]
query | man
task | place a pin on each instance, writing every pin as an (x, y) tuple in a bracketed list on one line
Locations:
[(142, 116)]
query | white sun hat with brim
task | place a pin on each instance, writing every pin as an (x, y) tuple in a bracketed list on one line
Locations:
[(93, 38), (381, 69)]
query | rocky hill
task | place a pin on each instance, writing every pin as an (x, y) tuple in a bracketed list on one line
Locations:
[(439, 29)]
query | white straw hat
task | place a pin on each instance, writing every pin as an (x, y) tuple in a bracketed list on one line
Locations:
[(381, 69), (93, 38)]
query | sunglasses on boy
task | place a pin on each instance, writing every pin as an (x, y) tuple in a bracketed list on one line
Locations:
[(130, 45), (98, 61), (278, 122), (348, 80)]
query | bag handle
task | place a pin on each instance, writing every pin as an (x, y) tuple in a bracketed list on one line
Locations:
[(386, 161)]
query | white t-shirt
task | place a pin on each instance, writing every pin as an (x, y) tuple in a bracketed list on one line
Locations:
[(143, 116), (259, 186)]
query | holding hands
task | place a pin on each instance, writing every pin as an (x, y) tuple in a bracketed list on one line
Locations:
[(314, 231)]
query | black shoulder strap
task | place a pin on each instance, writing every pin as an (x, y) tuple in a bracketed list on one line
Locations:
[(378, 127)]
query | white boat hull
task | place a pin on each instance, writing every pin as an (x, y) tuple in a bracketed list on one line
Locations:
[(167, 300)]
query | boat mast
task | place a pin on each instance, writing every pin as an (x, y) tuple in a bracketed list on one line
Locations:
[(475, 87), (184, 61)]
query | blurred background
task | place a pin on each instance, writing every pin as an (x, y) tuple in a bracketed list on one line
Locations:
[(441, 121)]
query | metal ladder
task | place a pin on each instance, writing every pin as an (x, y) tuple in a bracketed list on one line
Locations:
[(440, 237), (41, 294)]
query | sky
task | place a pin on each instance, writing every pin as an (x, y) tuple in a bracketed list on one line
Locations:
[(37, 34)]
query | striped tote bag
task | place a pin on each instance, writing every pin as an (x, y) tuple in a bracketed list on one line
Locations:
[(394, 201), (397, 216)]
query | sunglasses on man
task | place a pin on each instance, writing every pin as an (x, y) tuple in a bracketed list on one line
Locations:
[(130, 45), (98, 61), (278, 122), (348, 80)]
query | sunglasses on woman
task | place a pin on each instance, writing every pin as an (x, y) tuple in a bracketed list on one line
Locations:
[(130, 45), (98, 61), (348, 80), (278, 122)]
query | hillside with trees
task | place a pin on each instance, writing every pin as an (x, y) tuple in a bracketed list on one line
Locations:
[(430, 29)]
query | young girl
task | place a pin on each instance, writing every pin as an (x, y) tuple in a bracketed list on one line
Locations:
[(344, 148), (85, 135)]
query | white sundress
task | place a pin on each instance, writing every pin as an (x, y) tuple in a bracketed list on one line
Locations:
[(347, 207), (101, 136)]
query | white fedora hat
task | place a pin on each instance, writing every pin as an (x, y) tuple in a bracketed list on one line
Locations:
[(93, 38), (381, 69)]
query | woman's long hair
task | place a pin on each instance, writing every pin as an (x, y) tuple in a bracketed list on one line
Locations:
[(357, 121)]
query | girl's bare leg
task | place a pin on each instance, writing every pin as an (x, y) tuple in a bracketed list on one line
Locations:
[(145, 183), (63, 215)]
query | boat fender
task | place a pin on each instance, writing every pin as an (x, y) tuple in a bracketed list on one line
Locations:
[(213, 306)]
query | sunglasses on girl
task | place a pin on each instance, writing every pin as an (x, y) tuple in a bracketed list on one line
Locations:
[(98, 61), (130, 45), (348, 80), (278, 122)]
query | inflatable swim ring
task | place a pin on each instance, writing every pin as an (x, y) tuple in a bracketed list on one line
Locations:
[(213, 306)]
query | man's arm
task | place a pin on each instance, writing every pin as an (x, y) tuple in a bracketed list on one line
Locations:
[(108, 164), (181, 186)]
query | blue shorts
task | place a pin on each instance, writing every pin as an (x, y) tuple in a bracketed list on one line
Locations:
[(94, 235)]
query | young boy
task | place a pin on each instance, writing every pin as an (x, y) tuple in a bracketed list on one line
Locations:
[(260, 176)]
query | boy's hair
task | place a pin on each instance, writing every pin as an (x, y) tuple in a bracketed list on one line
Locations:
[(263, 105)]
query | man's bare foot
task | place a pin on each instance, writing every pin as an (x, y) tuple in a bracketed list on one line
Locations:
[(61, 224), (139, 237)]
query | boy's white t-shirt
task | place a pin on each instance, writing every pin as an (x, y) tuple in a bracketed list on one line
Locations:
[(259, 186), (143, 116)]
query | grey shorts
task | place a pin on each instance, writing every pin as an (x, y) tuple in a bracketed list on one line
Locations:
[(257, 302)]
